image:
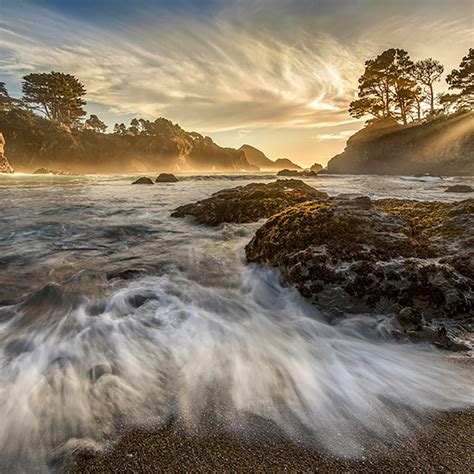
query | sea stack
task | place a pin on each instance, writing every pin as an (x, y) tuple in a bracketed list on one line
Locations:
[(4, 165)]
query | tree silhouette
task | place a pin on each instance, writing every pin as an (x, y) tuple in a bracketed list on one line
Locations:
[(387, 87), (59, 96), (94, 123), (462, 79), (427, 72)]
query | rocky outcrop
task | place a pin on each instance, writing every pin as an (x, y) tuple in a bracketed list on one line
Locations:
[(4, 165), (35, 142), (166, 178), (249, 203), (352, 254), (257, 158), (316, 168), (304, 173), (459, 188), (53, 172), (143, 180), (440, 147)]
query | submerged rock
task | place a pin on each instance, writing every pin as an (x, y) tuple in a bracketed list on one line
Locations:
[(5, 166), (356, 255), (459, 188), (166, 178), (249, 203), (143, 180)]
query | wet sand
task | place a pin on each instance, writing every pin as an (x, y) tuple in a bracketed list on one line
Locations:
[(445, 445)]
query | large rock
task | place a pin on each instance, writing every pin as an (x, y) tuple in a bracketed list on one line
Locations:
[(5, 167), (440, 147), (53, 172), (352, 254), (257, 158), (143, 180), (249, 203), (166, 178)]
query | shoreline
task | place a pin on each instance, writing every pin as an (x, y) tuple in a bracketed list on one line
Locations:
[(444, 445)]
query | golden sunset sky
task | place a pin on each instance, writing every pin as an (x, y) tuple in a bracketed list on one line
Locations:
[(276, 74)]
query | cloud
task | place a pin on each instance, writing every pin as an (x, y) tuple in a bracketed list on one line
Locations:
[(344, 135), (238, 65)]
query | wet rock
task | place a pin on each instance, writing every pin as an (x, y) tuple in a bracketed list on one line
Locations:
[(294, 173), (410, 319), (352, 254), (286, 172), (250, 203), (166, 178), (74, 451), (5, 166), (53, 172), (96, 372), (143, 180), (459, 188)]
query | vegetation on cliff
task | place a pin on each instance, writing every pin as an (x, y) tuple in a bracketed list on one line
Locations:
[(46, 128)]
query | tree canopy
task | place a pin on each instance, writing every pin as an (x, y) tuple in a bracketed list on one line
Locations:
[(58, 95), (94, 123), (462, 79), (394, 87)]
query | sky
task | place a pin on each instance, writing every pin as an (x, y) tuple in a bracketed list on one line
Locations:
[(276, 74)]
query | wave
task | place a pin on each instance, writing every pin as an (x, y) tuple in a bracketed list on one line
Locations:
[(231, 345)]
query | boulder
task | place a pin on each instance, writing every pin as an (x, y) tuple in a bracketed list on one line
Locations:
[(52, 171), (287, 172), (5, 166), (250, 203), (316, 168), (143, 180), (459, 188), (358, 255), (166, 178)]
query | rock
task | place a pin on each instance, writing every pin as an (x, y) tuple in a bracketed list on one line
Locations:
[(166, 178), (354, 254), (287, 172), (54, 172), (5, 166), (316, 168), (410, 319), (65, 457), (250, 203), (439, 147), (459, 188), (305, 173), (143, 180)]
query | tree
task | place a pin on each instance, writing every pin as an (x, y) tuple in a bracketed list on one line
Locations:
[(134, 128), (120, 129), (387, 88), (58, 95), (426, 73), (462, 79), (94, 123), (6, 102)]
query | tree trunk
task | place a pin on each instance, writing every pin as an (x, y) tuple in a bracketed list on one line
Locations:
[(431, 99)]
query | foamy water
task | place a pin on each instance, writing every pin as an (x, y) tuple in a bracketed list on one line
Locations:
[(114, 315)]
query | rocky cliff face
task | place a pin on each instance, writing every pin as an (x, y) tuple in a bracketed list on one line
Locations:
[(35, 142), (440, 147), (4, 165), (257, 158)]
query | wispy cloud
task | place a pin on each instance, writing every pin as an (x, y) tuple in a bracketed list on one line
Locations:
[(243, 65)]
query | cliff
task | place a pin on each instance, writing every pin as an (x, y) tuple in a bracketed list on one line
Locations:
[(34, 142), (257, 158), (440, 147), (4, 165)]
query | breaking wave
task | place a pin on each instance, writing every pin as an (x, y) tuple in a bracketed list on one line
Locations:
[(170, 347)]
